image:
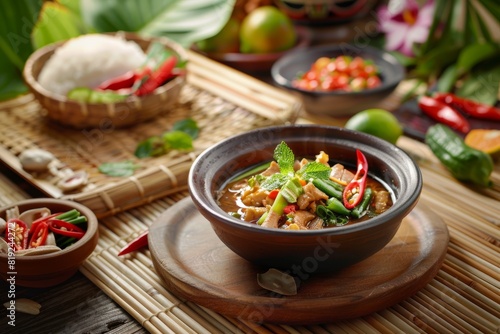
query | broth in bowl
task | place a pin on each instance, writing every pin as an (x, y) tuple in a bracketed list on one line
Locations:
[(305, 194)]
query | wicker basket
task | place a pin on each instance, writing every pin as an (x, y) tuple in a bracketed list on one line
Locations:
[(104, 115)]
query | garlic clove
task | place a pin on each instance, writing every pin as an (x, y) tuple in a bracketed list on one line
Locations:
[(35, 159)]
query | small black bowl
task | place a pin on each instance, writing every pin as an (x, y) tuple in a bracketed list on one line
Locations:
[(338, 103)]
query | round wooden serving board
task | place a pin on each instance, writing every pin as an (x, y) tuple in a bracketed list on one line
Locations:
[(196, 265)]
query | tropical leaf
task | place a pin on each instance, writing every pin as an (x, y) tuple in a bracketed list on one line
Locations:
[(482, 84), (17, 19), (473, 54), (57, 22), (185, 21)]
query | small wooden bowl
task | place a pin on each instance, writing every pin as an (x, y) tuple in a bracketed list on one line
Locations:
[(39, 271), (104, 115)]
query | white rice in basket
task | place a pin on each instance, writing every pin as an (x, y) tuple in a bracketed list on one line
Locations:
[(89, 60)]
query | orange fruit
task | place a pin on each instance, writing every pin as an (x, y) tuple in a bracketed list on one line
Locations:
[(266, 29)]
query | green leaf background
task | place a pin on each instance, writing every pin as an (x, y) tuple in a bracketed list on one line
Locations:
[(26, 25)]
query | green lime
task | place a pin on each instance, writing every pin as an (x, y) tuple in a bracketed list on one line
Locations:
[(266, 29), (378, 122)]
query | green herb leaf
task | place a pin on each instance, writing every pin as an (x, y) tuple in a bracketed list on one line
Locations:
[(153, 146), (188, 126), (285, 158), (482, 84), (474, 54), (177, 140), (122, 168), (314, 170), (275, 181)]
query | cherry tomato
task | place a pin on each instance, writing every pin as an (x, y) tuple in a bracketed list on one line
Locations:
[(358, 84), (373, 82)]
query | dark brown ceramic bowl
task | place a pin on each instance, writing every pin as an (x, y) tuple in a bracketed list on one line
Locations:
[(307, 251), (46, 270), (338, 103)]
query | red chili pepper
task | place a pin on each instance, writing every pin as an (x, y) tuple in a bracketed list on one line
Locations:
[(443, 113), (122, 81), (471, 108), (16, 234), (136, 244), (158, 77), (66, 229), (40, 220), (354, 191), (39, 233), (273, 193), (290, 208)]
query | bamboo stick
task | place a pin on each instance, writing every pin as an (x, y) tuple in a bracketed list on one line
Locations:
[(426, 322), (470, 270), (441, 312), (387, 321), (459, 305), (465, 255), (454, 276)]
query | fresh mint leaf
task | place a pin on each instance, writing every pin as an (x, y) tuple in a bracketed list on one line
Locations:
[(314, 170), (275, 181), (177, 140), (188, 126), (153, 146), (180, 137), (122, 168), (285, 158)]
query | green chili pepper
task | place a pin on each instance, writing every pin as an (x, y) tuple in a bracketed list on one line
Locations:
[(361, 208), (336, 206), (332, 189), (464, 162)]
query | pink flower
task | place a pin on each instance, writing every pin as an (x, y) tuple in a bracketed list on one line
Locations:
[(405, 23)]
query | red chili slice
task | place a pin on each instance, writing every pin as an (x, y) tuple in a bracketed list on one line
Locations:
[(273, 193), (354, 191), (39, 234), (136, 244), (16, 234), (66, 229)]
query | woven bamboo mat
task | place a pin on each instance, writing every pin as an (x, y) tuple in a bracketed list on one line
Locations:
[(220, 107)]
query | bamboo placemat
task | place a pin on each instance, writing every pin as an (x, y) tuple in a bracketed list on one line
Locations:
[(221, 100)]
